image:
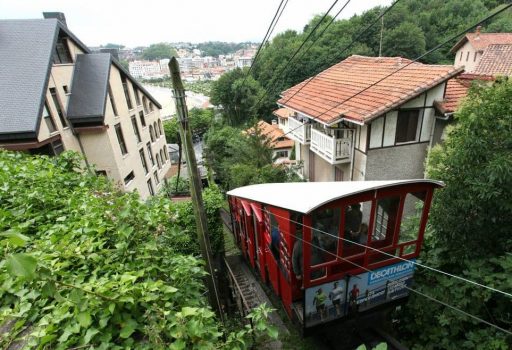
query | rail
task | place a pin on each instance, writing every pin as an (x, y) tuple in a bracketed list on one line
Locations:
[(334, 150), (299, 131), (238, 295)]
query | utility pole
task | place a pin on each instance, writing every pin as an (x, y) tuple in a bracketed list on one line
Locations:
[(381, 31), (195, 184)]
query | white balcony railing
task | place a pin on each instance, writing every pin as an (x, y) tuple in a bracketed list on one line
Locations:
[(332, 149), (299, 131)]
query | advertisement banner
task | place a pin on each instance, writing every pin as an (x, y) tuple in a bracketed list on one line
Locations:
[(357, 293)]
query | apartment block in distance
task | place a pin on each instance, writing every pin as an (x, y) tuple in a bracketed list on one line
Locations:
[(56, 95)]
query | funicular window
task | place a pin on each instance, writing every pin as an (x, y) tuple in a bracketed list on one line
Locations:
[(410, 224), (384, 228), (324, 238), (357, 221), (275, 236)]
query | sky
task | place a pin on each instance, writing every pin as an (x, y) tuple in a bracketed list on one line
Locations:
[(140, 23)]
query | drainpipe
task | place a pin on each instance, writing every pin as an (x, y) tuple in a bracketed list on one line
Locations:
[(353, 156)]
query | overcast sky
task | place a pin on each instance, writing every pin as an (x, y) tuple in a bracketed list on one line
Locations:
[(134, 23)]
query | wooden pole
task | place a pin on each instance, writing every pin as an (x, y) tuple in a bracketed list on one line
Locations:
[(195, 184)]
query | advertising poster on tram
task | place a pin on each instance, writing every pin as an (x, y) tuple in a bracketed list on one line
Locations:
[(357, 293)]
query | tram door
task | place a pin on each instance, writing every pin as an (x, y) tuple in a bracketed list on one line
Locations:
[(256, 241)]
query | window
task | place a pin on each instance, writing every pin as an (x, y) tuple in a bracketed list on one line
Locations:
[(101, 173), (61, 54), (407, 125), (136, 129), (326, 224), (155, 127), (145, 105), (411, 218), (112, 102), (150, 188), (460, 58), (151, 133), (148, 145), (126, 92), (58, 106), (165, 153), (65, 88), (474, 57), (160, 127), (281, 154), (355, 231), (129, 178), (158, 160), (48, 119), (467, 57), (120, 139), (155, 175), (142, 120), (150, 106), (385, 219), (162, 157), (143, 160), (137, 97)]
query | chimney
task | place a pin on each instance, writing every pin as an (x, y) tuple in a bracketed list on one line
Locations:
[(58, 15), (477, 31)]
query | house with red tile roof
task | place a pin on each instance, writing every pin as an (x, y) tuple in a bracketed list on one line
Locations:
[(470, 49), (365, 118), (281, 145)]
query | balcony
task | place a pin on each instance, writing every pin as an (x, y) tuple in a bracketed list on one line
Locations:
[(299, 131), (335, 150)]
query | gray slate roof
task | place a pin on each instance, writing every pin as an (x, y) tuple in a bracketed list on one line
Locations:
[(25, 60), (89, 88), (26, 48)]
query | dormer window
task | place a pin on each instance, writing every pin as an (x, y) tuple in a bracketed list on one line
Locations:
[(61, 53)]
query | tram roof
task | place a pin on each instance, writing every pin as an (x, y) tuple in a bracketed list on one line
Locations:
[(304, 197)]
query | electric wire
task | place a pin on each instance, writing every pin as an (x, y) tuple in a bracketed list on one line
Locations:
[(361, 33), (408, 64), (270, 29), (406, 287), (394, 256)]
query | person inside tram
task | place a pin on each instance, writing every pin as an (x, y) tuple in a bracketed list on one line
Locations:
[(353, 220), (360, 236)]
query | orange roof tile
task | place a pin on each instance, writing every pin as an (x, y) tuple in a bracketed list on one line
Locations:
[(480, 41), (496, 60), (274, 134), (283, 113), (456, 90), (330, 95)]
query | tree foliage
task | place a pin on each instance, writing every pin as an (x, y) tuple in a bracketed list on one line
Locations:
[(216, 48), (158, 51), (240, 159), (470, 229), (86, 266), (200, 120)]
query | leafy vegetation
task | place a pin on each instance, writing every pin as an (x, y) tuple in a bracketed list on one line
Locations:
[(469, 229), (216, 48), (240, 159), (200, 120), (86, 266), (158, 51), (410, 29)]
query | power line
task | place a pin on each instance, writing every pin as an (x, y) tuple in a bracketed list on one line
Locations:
[(406, 287), (351, 43), (270, 29), (396, 257), (408, 64)]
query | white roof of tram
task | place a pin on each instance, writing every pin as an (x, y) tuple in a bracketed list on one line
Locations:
[(304, 197)]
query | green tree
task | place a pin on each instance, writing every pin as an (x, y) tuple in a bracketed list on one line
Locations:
[(239, 100), (158, 51), (200, 120), (470, 228), (406, 40)]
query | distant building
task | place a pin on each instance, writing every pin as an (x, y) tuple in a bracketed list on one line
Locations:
[(56, 95), (145, 69), (281, 145), (470, 49)]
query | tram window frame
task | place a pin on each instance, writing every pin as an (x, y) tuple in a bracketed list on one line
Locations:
[(418, 215), (317, 232), (351, 249), (379, 224)]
